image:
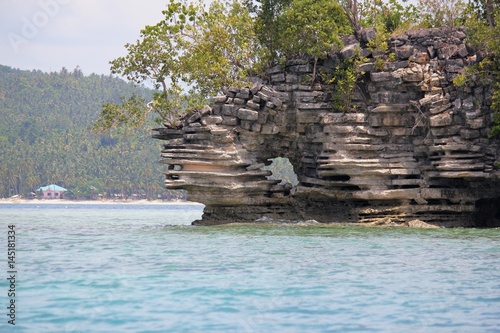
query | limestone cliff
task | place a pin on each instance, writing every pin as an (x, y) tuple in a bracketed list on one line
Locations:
[(413, 146)]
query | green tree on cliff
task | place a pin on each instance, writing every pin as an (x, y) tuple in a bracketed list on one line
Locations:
[(483, 32), (290, 28), (389, 15), (313, 27), (195, 52), (195, 49), (268, 26), (437, 13)]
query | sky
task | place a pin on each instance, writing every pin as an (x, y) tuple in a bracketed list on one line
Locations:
[(51, 34)]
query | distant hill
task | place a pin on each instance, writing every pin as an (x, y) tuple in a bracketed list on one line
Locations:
[(45, 121)]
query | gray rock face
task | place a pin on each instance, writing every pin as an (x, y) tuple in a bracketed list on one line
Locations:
[(414, 147)]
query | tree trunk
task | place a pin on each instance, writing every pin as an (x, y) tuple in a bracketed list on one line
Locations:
[(351, 11), (489, 9)]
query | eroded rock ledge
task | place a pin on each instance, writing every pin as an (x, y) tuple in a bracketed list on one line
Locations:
[(414, 148)]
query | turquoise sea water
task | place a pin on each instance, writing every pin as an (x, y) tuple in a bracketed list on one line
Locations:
[(133, 268)]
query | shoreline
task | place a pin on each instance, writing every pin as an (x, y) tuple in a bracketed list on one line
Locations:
[(7, 201)]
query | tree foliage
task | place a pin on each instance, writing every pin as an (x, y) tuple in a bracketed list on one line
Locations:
[(290, 28), (282, 169), (486, 10), (483, 35), (388, 16), (196, 51), (191, 54), (45, 120), (437, 13), (269, 27), (312, 27)]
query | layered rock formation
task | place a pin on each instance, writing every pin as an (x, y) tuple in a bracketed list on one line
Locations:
[(413, 146)]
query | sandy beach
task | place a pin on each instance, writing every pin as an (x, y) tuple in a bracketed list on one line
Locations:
[(93, 202)]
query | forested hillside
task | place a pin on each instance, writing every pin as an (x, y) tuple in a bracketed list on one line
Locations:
[(45, 137)]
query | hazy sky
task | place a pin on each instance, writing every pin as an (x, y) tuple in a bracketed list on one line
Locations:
[(51, 34)]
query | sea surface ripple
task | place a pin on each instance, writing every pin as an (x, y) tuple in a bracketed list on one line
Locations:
[(133, 268)]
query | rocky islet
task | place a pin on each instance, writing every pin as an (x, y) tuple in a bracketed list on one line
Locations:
[(413, 147)]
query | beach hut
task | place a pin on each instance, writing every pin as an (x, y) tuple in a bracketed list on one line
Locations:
[(52, 191)]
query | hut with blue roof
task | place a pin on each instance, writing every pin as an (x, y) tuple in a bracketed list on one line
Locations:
[(52, 191)]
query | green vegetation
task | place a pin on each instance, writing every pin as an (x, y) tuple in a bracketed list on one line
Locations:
[(192, 54), (269, 27), (313, 28), (205, 50), (438, 13), (344, 81), (282, 170), (483, 31), (210, 48), (45, 121)]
